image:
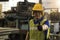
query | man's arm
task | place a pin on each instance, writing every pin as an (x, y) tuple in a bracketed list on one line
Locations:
[(44, 27)]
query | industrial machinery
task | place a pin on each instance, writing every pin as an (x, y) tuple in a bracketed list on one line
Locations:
[(54, 25), (56, 16), (24, 10), (18, 17)]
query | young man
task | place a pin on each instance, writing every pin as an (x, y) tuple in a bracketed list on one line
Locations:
[(39, 26)]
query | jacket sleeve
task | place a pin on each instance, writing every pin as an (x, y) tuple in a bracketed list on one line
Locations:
[(47, 23), (44, 27)]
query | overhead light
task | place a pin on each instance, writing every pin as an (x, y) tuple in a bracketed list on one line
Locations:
[(58, 3), (33, 1), (59, 10)]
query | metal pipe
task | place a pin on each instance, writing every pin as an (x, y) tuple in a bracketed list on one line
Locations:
[(40, 1)]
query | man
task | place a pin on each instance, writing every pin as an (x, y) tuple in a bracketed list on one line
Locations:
[(39, 25)]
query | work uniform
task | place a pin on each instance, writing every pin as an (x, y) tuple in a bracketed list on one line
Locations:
[(35, 33), (39, 25)]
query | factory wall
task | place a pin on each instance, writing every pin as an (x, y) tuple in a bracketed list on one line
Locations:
[(7, 5), (11, 3)]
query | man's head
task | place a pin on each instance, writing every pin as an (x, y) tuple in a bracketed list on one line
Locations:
[(37, 11)]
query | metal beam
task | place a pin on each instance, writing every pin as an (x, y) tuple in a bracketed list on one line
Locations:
[(40, 1)]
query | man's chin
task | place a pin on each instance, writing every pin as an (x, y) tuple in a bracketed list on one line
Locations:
[(37, 18)]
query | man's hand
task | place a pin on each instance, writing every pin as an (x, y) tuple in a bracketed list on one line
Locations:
[(43, 27), (39, 27)]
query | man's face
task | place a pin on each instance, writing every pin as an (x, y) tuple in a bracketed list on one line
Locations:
[(37, 14)]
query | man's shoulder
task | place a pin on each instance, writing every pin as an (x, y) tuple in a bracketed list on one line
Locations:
[(31, 20)]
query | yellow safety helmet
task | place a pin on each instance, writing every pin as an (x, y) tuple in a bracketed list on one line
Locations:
[(38, 7)]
